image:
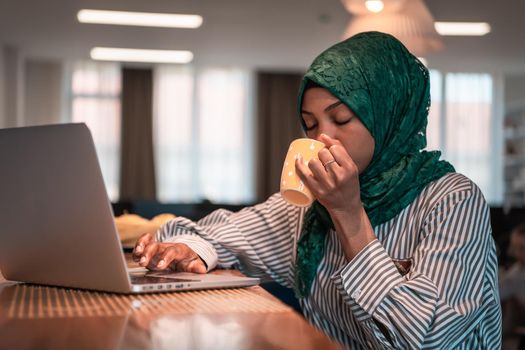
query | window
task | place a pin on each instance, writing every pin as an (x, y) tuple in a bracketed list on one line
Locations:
[(95, 89), (203, 137), (461, 122), (173, 134), (202, 129)]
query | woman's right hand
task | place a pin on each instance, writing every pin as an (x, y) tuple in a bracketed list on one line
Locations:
[(161, 256)]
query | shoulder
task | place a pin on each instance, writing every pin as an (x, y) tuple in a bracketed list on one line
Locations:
[(449, 190), (456, 205), (453, 198), (450, 183)]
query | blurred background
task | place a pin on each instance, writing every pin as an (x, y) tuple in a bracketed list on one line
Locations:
[(214, 127), (212, 130), (208, 118)]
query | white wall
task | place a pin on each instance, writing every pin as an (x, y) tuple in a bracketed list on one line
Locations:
[(515, 88), (31, 91), (43, 92), (13, 96)]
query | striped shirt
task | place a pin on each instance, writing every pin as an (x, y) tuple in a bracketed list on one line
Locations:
[(429, 280)]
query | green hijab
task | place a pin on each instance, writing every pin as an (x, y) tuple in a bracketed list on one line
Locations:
[(388, 89)]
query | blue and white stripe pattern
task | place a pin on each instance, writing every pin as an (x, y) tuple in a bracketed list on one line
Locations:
[(448, 299)]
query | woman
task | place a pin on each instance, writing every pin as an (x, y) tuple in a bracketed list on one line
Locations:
[(397, 250)]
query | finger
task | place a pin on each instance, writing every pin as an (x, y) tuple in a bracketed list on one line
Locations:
[(329, 163), (318, 170), (304, 173), (328, 141), (342, 157), (157, 256), (325, 156), (323, 179), (173, 254), (143, 241), (149, 252)]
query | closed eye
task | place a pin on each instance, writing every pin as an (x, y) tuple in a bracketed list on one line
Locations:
[(343, 122), (309, 128)]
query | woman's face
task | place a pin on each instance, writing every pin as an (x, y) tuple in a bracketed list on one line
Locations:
[(325, 114)]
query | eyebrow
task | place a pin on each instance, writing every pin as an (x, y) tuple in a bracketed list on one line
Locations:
[(327, 109)]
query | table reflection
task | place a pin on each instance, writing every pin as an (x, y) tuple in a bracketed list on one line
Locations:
[(39, 317)]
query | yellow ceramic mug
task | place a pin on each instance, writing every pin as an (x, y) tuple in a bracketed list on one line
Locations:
[(293, 190)]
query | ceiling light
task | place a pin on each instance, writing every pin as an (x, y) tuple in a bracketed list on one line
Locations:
[(146, 19), (137, 55), (364, 7), (462, 28), (411, 23), (374, 5)]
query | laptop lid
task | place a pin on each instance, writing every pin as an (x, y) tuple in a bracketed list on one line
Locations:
[(56, 222)]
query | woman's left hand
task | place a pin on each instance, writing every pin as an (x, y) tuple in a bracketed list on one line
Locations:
[(333, 178)]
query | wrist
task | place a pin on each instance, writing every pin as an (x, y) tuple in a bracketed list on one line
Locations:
[(349, 217), (354, 230)]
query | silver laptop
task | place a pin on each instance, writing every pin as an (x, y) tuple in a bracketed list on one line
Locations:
[(56, 222)]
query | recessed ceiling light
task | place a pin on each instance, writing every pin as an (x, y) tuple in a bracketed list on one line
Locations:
[(146, 19), (139, 55), (375, 6), (462, 28)]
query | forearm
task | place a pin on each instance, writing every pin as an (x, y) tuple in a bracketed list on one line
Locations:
[(259, 240), (354, 231)]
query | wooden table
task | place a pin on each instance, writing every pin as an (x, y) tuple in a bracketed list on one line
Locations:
[(39, 317)]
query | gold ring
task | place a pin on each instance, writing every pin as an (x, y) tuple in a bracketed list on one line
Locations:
[(329, 162)]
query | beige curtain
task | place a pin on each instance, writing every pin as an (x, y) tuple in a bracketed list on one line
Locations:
[(137, 171), (277, 125)]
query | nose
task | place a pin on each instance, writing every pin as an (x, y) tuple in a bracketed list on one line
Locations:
[(326, 129)]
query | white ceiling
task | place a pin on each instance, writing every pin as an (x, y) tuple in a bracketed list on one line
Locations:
[(277, 34)]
